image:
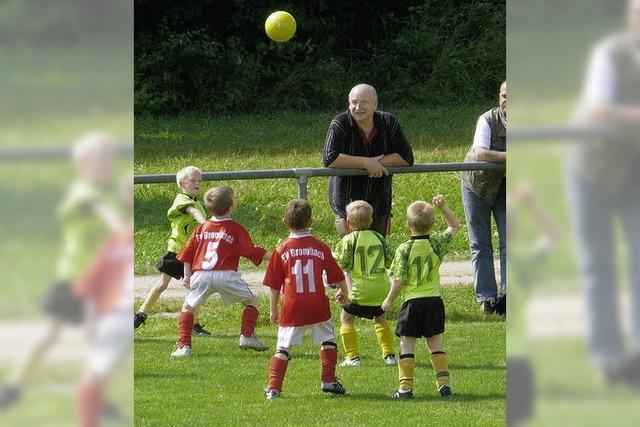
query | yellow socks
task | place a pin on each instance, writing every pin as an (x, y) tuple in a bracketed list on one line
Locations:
[(406, 368), (440, 362), (385, 339), (349, 340), (149, 302)]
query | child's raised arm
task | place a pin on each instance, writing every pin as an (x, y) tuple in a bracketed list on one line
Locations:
[(196, 214), (440, 203)]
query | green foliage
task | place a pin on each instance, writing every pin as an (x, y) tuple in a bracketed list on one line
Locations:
[(219, 375), (214, 56)]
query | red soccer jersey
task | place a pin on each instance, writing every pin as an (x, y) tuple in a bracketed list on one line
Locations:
[(108, 282), (297, 264), (218, 244)]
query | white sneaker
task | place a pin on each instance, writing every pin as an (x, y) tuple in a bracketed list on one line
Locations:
[(184, 351), (350, 362), (252, 342), (390, 360)]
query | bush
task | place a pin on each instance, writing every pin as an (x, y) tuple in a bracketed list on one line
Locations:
[(213, 57)]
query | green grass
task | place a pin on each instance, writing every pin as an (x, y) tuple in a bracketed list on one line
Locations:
[(164, 145), (222, 383)]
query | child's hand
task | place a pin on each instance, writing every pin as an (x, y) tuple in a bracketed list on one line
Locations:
[(187, 282), (386, 304), (438, 201), (274, 317), (340, 297)]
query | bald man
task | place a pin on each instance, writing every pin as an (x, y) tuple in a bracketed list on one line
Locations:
[(364, 138)]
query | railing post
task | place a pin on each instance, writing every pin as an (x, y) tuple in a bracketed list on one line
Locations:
[(302, 187)]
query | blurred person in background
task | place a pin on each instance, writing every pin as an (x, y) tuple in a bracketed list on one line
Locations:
[(484, 193), (602, 178), (88, 213), (107, 289)]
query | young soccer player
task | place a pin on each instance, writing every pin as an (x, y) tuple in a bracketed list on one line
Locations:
[(416, 271), (297, 266), (210, 259), (185, 214), (363, 253)]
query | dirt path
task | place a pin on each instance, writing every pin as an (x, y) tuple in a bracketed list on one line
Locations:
[(451, 273)]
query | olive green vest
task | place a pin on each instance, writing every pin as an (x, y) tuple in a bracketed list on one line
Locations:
[(486, 183), (610, 162)]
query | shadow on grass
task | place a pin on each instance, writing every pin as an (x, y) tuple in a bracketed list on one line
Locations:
[(418, 398)]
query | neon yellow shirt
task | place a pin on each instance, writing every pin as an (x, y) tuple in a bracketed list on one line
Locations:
[(365, 255), (183, 223), (416, 265)]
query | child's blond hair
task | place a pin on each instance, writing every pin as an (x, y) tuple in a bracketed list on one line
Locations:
[(219, 199), (297, 214), (420, 217), (359, 214), (186, 172)]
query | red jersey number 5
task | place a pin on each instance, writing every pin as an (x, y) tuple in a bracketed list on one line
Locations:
[(211, 256)]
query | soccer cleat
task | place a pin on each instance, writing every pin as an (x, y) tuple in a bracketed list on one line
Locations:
[(333, 388), (350, 362), (487, 307), (402, 394), (9, 394), (445, 390), (184, 351), (390, 360), (252, 342), (199, 330), (272, 394), (139, 319)]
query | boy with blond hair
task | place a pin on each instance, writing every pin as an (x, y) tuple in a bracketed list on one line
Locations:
[(185, 214), (296, 267), (210, 259), (415, 271), (363, 253)]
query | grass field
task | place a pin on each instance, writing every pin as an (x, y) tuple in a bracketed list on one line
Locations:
[(164, 145), (223, 385)]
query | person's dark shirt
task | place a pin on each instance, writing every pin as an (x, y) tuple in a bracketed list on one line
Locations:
[(344, 137)]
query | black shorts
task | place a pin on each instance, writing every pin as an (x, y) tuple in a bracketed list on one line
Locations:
[(171, 266), (421, 317), (61, 303), (365, 311)]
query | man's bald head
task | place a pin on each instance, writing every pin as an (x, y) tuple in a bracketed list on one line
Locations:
[(363, 102), (363, 88)]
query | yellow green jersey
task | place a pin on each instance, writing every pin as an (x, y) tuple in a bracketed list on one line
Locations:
[(182, 222), (365, 254), (416, 265), (83, 231)]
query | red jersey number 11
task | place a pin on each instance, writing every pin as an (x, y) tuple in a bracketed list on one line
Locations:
[(299, 271)]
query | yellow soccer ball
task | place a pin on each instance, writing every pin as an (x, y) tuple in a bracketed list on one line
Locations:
[(280, 26)]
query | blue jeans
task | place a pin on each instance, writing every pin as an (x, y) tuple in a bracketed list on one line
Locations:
[(478, 214), (593, 212)]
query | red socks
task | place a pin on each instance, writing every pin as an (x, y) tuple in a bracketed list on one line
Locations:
[(249, 320), (185, 325), (89, 404), (277, 369), (328, 358)]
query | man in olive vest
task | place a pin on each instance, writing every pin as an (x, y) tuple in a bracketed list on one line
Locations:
[(484, 194), (602, 178)]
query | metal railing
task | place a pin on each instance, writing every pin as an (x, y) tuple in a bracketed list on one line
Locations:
[(302, 175)]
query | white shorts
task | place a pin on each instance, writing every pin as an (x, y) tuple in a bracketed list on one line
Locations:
[(113, 340), (293, 335), (229, 284)]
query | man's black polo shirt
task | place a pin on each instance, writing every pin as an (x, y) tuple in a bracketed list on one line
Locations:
[(343, 137)]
